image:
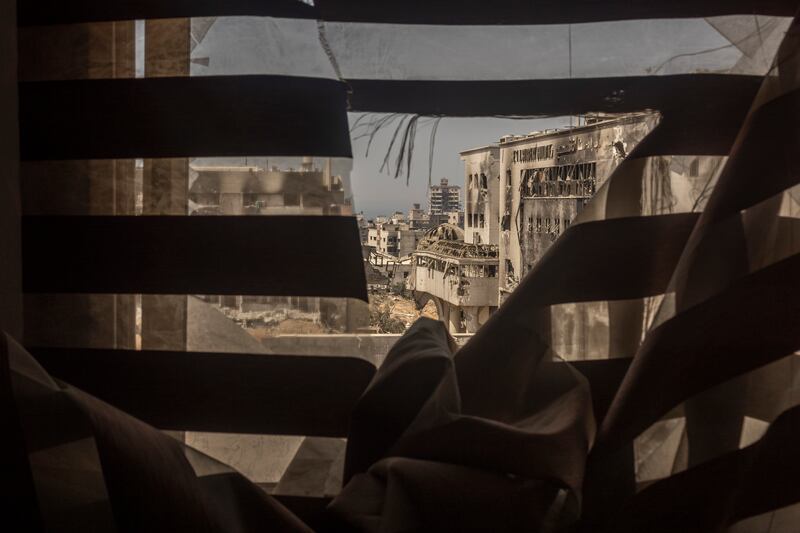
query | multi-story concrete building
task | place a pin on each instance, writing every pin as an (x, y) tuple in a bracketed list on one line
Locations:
[(456, 218), (547, 177), (418, 218), (521, 194), (456, 264), (481, 207), (252, 190), (363, 227), (444, 198), (388, 238)]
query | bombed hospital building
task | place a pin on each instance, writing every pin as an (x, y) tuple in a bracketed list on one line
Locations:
[(460, 277), (546, 178), (521, 193)]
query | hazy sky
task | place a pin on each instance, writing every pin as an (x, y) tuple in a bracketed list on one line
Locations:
[(379, 193), (262, 45)]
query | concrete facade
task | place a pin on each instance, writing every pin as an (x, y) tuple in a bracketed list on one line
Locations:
[(251, 190), (311, 189), (460, 278), (11, 257), (481, 183), (521, 195), (418, 218), (399, 240), (444, 198), (545, 180)]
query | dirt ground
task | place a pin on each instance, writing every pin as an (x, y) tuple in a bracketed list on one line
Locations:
[(393, 308), (290, 326), (388, 313)]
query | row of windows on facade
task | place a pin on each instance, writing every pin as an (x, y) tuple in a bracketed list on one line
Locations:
[(475, 181), (467, 271), (475, 220), (547, 225), (575, 179)]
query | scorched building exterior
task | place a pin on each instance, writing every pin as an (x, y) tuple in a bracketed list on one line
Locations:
[(547, 177), (520, 195)]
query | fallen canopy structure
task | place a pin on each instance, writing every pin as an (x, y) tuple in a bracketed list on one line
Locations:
[(688, 423)]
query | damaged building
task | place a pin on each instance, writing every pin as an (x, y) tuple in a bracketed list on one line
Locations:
[(521, 194), (545, 179), (255, 190)]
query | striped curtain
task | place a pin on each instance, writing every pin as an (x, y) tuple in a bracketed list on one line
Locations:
[(687, 420)]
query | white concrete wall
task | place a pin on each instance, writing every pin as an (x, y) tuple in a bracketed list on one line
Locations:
[(479, 200), (474, 291)]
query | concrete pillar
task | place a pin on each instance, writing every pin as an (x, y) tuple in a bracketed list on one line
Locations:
[(165, 186), (231, 203), (357, 316), (471, 319), (453, 318)]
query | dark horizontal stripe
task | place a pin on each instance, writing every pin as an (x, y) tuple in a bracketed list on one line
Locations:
[(708, 126), (629, 258), (770, 389), (702, 112), (250, 255), (248, 393), (747, 325), (480, 12), (765, 161), (183, 117), (741, 484), (219, 392), (472, 12), (604, 376), (40, 12)]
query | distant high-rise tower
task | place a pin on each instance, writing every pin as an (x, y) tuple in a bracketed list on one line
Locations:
[(444, 198)]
